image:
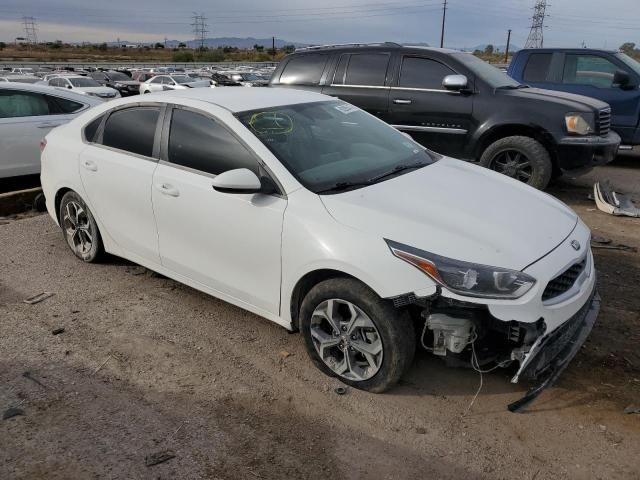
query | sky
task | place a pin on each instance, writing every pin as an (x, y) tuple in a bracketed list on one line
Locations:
[(468, 22)]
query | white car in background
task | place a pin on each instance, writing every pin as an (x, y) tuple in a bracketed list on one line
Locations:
[(27, 114), (20, 79), (161, 83), (84, 86), (312, 213)]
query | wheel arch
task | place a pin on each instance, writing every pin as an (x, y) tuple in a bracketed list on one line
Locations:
[(306, 283), (58, 200), (497, 132)]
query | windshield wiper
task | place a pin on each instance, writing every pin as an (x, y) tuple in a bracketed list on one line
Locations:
[(513, 87), (397, 169), (341, 186)]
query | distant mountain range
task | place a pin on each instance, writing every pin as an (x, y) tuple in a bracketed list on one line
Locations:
[(238, 42)]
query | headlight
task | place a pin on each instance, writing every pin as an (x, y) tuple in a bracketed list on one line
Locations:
[(463, 278), (580, 123)]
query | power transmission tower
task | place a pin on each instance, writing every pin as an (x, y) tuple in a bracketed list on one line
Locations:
[(30, 30), (444, 16), (536, 38), (199, 28)]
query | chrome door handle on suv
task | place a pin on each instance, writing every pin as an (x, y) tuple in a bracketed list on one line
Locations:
[(401, 101)]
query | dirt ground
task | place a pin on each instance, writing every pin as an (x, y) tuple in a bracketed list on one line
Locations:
[(146, 365)]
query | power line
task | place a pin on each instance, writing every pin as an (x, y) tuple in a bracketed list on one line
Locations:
[(199, 28), (536, 36)]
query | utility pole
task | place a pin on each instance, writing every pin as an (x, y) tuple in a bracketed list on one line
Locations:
[(273, 47), (199, 28), (444, 16), (536, 37), (506, 52)]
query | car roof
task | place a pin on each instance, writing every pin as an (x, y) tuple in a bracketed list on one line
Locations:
[(240, 99), (386, 46), (569, 50), (31, 87)]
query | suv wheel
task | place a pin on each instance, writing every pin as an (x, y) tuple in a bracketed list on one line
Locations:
[(521, 158), (79, 228), (353, 334)]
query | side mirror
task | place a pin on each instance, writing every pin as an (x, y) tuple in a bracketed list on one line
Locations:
[(622, 80), (240, 180), (455, 83), (69, 87)]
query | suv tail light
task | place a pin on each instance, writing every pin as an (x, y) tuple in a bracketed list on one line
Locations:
[(43, 143)]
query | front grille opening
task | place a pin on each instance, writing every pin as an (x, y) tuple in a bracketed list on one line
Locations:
[(563, 282), (604, 121)]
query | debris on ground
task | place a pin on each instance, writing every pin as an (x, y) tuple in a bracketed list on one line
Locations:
[(612, 202), (12, 412), (600, 239), (340, 390), (28, 375), (614, 246), (101, 365), (632, 409), (421, 431), (285, 354), (38, 298), (159, 457), (57, 331), (137, 270)]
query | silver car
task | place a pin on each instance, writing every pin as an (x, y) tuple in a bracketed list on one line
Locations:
[(27, 113)]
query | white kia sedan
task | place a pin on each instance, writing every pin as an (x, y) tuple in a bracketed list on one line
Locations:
[(162, 83), (84, 86), (318, 216)]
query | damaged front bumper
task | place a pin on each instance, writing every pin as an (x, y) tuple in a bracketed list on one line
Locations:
[(552, 353)]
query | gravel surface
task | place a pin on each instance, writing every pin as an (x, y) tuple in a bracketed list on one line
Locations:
[(147, 369)]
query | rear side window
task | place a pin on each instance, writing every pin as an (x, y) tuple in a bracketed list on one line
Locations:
[(132, 130), (199, 142), (367, 69), (537, 67), (304, 70), (58, 105), (91, 129), (423, 73), (22, 104)]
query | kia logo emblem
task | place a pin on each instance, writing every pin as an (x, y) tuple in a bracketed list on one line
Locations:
[(575, 244)]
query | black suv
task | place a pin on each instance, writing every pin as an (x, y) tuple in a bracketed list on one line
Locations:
[(118, 80), (458, 105)]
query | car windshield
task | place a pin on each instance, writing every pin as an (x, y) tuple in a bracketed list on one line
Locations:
[(630, 62), (83, 82), (495, 77), (182, 79), (250, 77), (118, 77), (334, 146)]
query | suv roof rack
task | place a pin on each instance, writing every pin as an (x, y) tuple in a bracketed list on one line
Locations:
[(338, 45)]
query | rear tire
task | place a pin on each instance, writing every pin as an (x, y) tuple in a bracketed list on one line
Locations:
[(522, 158), (353, 334), (80, 229)]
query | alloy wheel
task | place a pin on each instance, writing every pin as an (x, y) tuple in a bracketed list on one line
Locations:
[(346, 339), (77, 227), (514, 164)]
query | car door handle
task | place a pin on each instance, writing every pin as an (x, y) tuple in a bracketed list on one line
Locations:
[(401, 101), (49, 125), (89, 165), (167, 189)]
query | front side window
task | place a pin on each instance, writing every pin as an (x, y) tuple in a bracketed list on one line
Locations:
[(304, 70), (328, 145), (83, 82), (182, 79), (132, 130), (22, 104), (156, 80), (537, 67), (423, 73), (590, 70), (367, 69), (199, 142)]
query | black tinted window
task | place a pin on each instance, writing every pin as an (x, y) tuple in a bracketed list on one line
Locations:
[(22, 104), (132, 130), (537, 67), (423, 73), (59, 105), (304, 70), (198, 142), (367, 69), (92, 128)]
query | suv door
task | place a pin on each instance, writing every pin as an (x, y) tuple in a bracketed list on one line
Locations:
[(229, 243), (25, 118), (360, 78), (116, 171), (419, 105)]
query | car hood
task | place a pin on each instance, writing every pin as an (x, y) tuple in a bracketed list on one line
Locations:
[(95, 89), (127, 82), (461, 211), (570, 100)]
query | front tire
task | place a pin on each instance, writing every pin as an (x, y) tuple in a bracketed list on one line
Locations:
[(353, 334), (79, 228), (522, 158)]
